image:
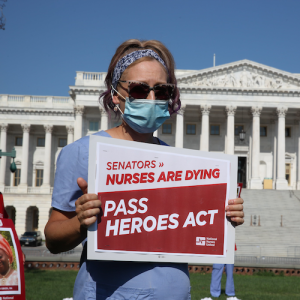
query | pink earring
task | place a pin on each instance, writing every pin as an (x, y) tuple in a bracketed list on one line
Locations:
[(116, 107)]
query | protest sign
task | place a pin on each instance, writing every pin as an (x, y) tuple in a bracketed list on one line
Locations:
[(160, 203), (12, 282)]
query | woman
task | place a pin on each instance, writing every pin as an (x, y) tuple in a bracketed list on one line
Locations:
[(140, 82), (8, 276)]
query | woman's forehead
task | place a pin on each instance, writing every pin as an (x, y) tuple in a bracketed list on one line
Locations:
[(2, 252), (145, 70)]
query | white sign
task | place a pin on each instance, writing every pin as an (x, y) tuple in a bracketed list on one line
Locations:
[(160, 203)]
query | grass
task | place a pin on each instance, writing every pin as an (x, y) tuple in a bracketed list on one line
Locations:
[(56, 285), (262, 286), (49, 285)]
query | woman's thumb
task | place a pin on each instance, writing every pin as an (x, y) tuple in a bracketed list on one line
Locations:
[(82, 184)]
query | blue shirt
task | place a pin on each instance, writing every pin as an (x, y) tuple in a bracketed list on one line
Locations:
[(112, 280)]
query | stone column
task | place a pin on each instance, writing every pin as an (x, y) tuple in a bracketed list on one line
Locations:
[(179, 128), (230, 110), (274, 133), (70, 130), (104, 119), (20, 223), (25, 153), (255, 180), (298, 182), (281, 182), (79, 110), (249, 164), (204, 141), (3, 159), (225, 141), (47, 159)]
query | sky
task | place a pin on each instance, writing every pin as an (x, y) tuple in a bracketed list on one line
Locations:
[(45, 42)]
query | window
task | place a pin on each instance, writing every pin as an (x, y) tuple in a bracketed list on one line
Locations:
[(263, 130), (39, 177), (190, 128), (17, 177), (167, 128), (11, 211), (41, 142), (238, 129), (18, 141), (62, 142), (215, 129), (35, 218), (94, 126), (287, 173), (288, 132)]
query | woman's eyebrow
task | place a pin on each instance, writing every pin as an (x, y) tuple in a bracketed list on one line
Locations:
[(142, 81)]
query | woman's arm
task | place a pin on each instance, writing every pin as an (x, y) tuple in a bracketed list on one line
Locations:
[(66, 230)]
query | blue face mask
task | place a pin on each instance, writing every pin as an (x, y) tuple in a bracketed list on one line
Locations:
[(143, 115)]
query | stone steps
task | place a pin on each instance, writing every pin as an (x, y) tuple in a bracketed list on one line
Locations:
[(270, 238)]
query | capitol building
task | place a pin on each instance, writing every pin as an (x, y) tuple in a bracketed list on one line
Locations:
[(242, 108)]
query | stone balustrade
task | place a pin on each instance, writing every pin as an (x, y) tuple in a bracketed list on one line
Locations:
[(23, 100), (38, 99), (30, 190), (33, 190), (90, 78), (10, 189), (15, 98), (61, 99)]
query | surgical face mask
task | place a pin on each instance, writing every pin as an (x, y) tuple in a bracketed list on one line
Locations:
[(143, 115)]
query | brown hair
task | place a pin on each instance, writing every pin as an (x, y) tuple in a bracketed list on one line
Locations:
[(131, 46)]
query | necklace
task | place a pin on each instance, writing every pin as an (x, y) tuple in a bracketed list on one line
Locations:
[(3, 278)]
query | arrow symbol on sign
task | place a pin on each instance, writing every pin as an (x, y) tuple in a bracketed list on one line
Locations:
[(161, 165)]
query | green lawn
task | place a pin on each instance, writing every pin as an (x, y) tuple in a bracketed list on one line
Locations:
[(49, 285), (264, 287), (56, 285)]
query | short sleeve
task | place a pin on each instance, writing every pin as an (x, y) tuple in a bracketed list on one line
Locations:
[(72, 163), (162, 143)]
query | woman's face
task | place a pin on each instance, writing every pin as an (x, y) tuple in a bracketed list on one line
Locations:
[(149, 71), (4, 262)]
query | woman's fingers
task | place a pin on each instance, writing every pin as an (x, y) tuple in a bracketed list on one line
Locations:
[(86, 199), (235, 201), (87, 209), (88, 217), (236, 221), (231, 209), (235, 211)]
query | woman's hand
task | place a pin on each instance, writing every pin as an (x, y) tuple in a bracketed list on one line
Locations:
[(235, 211), (87, 206)]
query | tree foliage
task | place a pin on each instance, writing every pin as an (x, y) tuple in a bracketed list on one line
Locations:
[(2, 17)]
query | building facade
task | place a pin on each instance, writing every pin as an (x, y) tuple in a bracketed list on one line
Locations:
[(217, 104)]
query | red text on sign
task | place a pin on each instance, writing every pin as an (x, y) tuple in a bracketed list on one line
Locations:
[(129, 178), (202, 174), (118, 165)]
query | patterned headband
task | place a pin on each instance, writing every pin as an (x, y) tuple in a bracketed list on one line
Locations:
[(128, 59)]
